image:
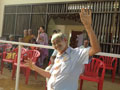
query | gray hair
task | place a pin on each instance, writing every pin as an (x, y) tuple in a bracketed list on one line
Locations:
[(11, 36), (58, 35)]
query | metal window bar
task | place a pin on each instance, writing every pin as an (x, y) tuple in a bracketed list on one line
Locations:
[(98, 9)]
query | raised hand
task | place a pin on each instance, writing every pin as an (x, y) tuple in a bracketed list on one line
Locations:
[(29, 64), (85, 16), (39, 31)]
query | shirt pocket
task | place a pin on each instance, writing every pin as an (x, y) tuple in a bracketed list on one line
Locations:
[(65, 67)]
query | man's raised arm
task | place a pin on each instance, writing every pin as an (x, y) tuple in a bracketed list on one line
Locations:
[(85, 16)]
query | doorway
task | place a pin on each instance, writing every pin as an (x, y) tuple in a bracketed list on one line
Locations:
[(75, 39)]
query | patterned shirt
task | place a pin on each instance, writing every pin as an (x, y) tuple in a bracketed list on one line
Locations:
[(67, 68)]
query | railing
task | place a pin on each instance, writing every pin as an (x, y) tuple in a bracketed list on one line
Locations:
[(19, 55), (42, 46)]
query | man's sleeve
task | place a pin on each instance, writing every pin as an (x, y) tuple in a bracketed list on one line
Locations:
[(83, 56)]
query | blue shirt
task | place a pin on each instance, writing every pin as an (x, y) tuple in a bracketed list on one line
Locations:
[(67, 68)]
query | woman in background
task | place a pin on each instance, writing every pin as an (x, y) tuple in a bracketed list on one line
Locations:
[(42, 39)]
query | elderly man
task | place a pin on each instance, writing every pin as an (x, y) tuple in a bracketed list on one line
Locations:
[(69, 62), (85, 44), (30, 34)]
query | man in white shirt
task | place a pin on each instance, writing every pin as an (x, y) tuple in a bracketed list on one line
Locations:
[(85, 44), (79, 40), (69, 62)]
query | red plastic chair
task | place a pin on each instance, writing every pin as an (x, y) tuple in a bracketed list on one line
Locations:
[(110, 64), (32, 54), (91, 73), (9, 60), (5, 47)]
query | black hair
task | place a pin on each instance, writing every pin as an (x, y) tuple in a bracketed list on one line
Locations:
[(33, 40), (43, 27), (85, 39), (54, 31)]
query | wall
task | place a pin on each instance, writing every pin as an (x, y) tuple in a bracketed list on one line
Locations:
[(70, 28), (65, 28), (13, 2), (1, 16)]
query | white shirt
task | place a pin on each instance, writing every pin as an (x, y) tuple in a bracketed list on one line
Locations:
[(79, 40), (67, 68)]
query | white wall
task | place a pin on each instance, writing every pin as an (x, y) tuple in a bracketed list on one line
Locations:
[(67, 29)]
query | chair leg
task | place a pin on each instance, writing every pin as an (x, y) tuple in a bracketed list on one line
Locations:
[(27, 75), (23, 71), (113, 75), (13, 72), (2, 65), (46, 86), (35, 75), (100, 86), (81, 83)]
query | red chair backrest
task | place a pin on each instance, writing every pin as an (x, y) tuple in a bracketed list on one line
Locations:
[(22, 53), (7, 46), (32, 54), (93, 68), (36, 54), (108, 60)]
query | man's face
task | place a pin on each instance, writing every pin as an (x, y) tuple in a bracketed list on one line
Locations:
[(59, 44), (86, 43), (25, 33), (29, 32)]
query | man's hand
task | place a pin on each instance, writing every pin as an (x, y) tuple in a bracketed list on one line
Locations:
[(41, 71), (29, 64), (86, 19), (85, 16)]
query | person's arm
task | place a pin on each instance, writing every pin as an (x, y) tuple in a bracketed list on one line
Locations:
[(41, 71), (86, 19), (37, 40)]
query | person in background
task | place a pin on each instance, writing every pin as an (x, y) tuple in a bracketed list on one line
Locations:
[(54, 31), (41, 31), (20, 39), (79, 40), (11, 38), (85, 44), (26, 38), (30, 34), (42, 39), (69, 62), (51, 56), (33, 41)]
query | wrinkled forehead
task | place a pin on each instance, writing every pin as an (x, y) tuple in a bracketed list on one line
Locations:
[(86, 41), (56, 39)]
